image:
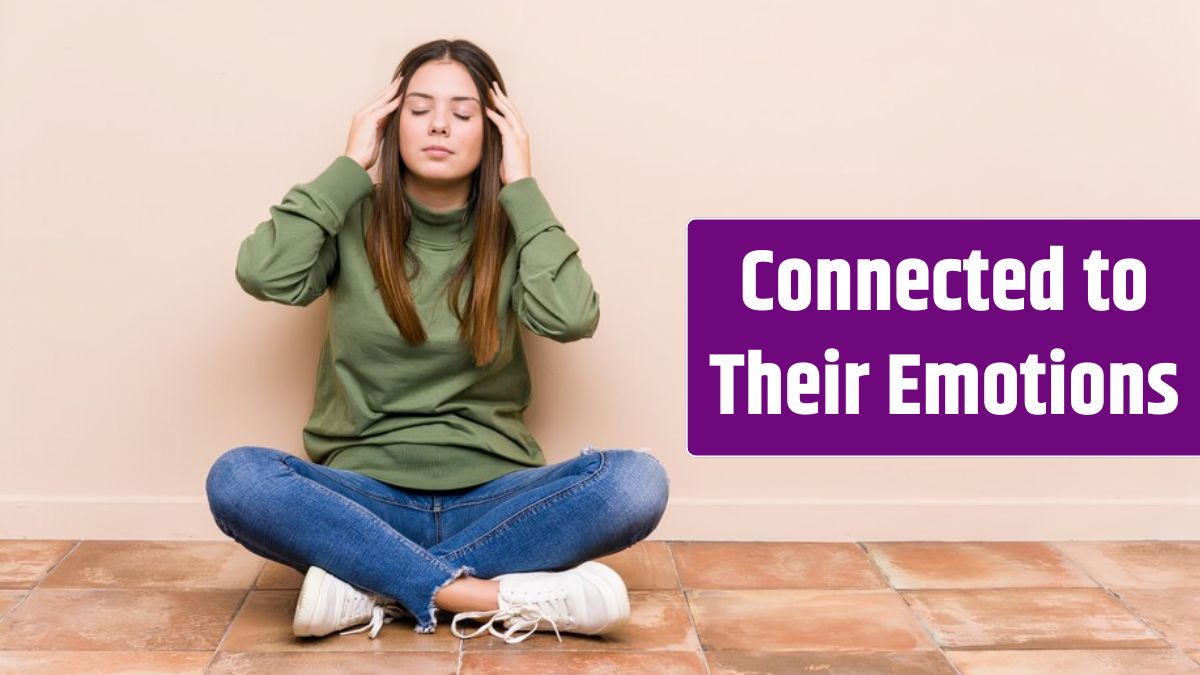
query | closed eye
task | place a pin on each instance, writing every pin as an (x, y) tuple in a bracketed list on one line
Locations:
[(422, 112)]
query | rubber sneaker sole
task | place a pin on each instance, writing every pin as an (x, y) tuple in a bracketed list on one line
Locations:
[(308, 605), (603, 575)]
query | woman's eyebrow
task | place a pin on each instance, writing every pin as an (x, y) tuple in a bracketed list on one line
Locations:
[(453, 98)]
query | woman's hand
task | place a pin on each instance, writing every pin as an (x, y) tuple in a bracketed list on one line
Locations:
[(366, 130), (514, 164)]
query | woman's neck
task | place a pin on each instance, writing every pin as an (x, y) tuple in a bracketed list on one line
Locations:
[(438, 195)]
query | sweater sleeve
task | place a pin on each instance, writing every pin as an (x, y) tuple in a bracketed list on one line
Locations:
[(553, 294), (291, 257)]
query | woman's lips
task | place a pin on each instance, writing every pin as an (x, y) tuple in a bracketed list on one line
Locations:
[(438, 152)]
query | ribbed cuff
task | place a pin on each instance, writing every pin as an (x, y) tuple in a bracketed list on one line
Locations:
[(527, 209), (344, 183)]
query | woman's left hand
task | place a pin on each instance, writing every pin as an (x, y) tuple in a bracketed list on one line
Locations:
[(514, 164)]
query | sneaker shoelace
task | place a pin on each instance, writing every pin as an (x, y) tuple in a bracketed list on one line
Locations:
[(525, 616), (381, 612)]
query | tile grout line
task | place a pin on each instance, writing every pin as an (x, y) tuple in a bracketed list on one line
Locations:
[(1117, 597), (232, 618), (66, 555), (862, 545), (687, 604), (679, 587), (74, 548), (29, 591)]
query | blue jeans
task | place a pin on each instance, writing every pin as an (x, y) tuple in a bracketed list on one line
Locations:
[(405, 544)]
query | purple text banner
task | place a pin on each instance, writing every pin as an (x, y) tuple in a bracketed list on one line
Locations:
[(942, 337)]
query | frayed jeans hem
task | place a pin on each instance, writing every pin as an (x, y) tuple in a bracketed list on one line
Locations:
[(430, 626)]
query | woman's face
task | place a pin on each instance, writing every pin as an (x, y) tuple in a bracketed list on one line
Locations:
[(441, 108)]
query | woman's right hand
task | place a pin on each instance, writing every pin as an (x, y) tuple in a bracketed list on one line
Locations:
[(366, 131)]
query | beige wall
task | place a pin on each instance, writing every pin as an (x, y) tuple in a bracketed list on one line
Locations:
[(141, 141)]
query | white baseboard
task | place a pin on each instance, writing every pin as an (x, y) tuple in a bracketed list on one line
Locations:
[(931, 520), (717, 519)]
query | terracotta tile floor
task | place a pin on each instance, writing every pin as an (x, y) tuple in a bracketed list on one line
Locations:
[(1092, 608)]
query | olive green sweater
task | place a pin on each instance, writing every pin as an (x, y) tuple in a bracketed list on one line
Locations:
[(417, 416)]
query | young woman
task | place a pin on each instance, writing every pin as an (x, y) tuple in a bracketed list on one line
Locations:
[(426, 490)]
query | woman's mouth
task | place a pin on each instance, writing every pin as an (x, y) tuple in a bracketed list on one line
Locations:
[(437, 151)]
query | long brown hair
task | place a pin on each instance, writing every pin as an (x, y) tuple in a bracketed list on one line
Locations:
[(386, 236)]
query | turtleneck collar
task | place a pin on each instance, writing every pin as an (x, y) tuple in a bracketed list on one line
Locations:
[(442, 229)]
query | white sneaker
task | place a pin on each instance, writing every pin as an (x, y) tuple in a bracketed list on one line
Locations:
[(327, 604), (589, 599)]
